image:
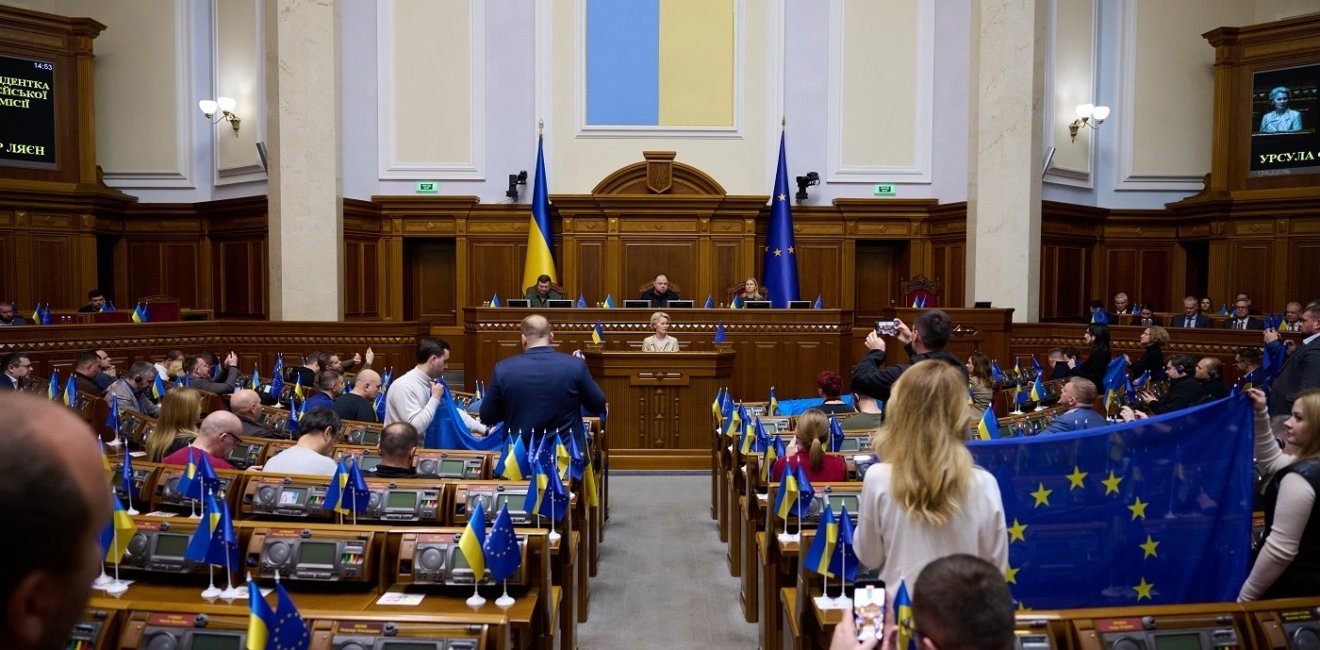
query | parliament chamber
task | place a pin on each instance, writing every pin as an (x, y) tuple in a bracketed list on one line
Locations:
[(338, 236)]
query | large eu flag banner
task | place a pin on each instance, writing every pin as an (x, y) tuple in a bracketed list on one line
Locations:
[(781, 272), (1154, 511)]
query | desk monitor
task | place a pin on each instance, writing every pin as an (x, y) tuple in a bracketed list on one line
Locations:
[(559, 304), (982, 304), (637, 304), (518, 302), (799, 304), (756, 304), (681, 304)]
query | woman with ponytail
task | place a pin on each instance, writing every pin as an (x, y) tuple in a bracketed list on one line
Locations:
[(807, 450)]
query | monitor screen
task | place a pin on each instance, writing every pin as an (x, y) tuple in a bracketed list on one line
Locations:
[(213, 641), (292, 496), (411, 645), (799, 304), (838, 501), (170, 545), (851, 443), (559, 304), (637, 304), (756, 304), (317, 553), (368, 461), (451, 467), (240, 452), (681, 304), (1183, 641), (1285, 105), (401, 499), (519, 302), (506, 499)]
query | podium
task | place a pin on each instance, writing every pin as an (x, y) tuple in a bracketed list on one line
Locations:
[(659, 414)]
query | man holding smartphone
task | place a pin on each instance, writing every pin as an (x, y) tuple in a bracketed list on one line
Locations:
[(925, 340)]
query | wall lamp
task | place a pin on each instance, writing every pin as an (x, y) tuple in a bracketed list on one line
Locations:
[(226, 107), (514, 181), (803, 182), (1089, 115)]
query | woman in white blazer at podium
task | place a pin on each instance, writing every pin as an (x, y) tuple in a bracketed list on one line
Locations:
[(661, 341)]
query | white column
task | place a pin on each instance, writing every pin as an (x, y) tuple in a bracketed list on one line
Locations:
[(1004, 154), (306, 210)]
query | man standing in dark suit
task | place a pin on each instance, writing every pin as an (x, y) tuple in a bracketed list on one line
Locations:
[(1300, 371), (541, 389), (1241, 319), (1191, 316)]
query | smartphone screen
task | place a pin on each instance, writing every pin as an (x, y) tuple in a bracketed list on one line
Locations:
[(868, 610), (886, 327)]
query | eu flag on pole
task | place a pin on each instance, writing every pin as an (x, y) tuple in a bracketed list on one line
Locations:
[(781, 273), (290, 629), (1157, 531), (202, 477), (503, 556), (223, 549), (277, 378), (540, 256), (844, 559), (819, 304), (581, 302), (201, 538), (719, 334), (112, 420), (836, 434), (710, 302)]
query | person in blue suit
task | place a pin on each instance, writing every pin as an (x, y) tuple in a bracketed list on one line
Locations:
[(1079, 396), (541, 389)]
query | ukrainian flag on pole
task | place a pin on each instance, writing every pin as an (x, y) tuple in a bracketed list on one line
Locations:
[(540, 258)]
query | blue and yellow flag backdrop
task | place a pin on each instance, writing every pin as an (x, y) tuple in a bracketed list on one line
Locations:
[(540, 251), (1155, 511), (660, 63)]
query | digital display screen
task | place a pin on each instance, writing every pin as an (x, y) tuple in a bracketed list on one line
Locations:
[(451, 467), (412, 645), (850, 444), (368, 462), (401, 499), (208, 641), (839, 501), (508, 499), (170, 545), (1190, 641), (1285, 109), (27, 113), (317, 553), (293, 496), (240, 452)]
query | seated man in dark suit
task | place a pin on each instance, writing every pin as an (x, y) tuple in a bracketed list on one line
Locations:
[(541, 389), (1210, 373), (660, 294), (329, 385), (246, 404), (1078, 394), (1191, 316), (84, 370), (1247, 362), (1242, 320), (95, 301), (15, 370), (359, 403), (9, 315), (1184, 390), (198, 369), (398, 450), (542, 293)]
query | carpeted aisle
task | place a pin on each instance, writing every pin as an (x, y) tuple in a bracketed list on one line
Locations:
[(663, 580)]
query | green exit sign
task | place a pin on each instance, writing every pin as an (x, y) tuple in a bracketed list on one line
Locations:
[(886, 189), (428, 187)]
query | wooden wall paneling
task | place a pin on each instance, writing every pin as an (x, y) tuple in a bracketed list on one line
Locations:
[(877, 265), (820, 270), (590, 277), (9, 270), (55, 280), (1249, 271), (495, 268), (434, 278), (1304, 272), (240, 278), (1122, 273), (181, 267), (729, 270), (644, 257), (1156, 282)]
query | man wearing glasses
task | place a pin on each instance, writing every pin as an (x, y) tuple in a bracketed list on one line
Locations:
[(17, 369), (215, 438)]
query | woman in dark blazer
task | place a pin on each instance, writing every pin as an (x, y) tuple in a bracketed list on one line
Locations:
[(1097, 339), (1153, 339)]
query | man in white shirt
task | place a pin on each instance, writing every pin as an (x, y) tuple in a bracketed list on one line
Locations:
[(318, 429), (414, 397), (164, 365)]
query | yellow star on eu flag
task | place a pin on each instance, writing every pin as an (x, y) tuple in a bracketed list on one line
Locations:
[(1042, 496), (1075, 479), (782, 198), (778, 252), (1149, 547), (1022, 607), (1016, 532), (1138, 508), (1010, 575), (790, 250), (1143, 589), (1111, 483)]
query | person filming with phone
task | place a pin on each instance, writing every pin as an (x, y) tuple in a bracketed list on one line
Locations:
[(925, 340)]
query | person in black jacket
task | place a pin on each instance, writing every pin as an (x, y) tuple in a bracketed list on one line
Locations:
[(925, 340), (1210, 374), (1152, 360), (1097, 338), (1184, 390)]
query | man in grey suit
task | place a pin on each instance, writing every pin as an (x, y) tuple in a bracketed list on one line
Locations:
[(1300, 371), (1191, 316), (198, 369), (1242, 319)]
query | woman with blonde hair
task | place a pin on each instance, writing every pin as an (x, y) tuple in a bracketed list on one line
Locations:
[(752, 290), (810, 440), (1287, 562), (661, 341), (926, 499), (176, 427)]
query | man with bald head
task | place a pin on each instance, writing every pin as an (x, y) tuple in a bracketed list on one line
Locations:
[(246, 404), (216, 438), (541, 389), (47, 575), (359, 403)]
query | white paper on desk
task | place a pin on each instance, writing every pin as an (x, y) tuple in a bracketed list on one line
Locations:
[(137, 454), (399, 598), (825, 602), (162, 513)]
